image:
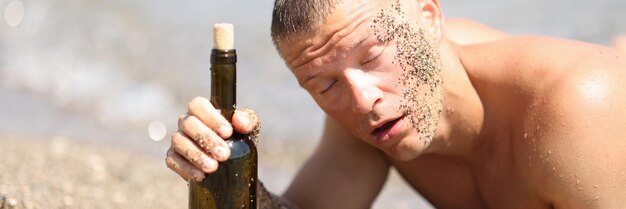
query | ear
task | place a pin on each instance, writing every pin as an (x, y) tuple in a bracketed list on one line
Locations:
[(432, 16)]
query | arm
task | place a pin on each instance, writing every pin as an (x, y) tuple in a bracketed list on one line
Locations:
[(268, 200), (344, 172)]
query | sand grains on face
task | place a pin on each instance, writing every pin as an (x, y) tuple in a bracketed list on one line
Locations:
[(418, 57)]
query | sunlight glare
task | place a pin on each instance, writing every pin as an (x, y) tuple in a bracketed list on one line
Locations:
[(157, 130), (14, 13)]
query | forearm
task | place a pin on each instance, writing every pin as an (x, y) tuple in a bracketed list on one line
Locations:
[(268, 200)]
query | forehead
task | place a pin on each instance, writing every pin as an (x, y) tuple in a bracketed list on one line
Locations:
[(345, 21), (350, 19)]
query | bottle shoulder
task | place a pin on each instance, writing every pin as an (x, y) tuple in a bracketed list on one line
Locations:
[(240, 146)]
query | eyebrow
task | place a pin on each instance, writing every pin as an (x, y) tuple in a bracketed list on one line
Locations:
[(358, 44), (310, 77), (317, 73)]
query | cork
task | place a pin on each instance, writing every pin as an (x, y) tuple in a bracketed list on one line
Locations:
[(223, 36)]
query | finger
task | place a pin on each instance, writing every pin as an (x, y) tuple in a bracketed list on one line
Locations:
[(181, 118), (182, 167), (190, 151), (202, 108), (245, 120), (205, 138)]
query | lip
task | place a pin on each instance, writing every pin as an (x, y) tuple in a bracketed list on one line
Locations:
[(386, 130)]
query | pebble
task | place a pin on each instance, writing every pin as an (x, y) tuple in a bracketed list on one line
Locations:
[(10, 203)]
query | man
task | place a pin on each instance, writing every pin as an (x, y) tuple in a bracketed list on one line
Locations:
[(498, 122)]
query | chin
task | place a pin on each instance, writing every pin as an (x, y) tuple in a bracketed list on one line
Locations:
[(404, 157), (407, 149)]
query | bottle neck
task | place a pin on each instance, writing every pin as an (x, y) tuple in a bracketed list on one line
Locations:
[(224, 81)]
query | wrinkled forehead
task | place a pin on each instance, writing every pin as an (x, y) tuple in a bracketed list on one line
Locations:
[(345, 14), (346, 18)]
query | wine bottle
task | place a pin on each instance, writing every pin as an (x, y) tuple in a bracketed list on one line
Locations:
[(233, 185)]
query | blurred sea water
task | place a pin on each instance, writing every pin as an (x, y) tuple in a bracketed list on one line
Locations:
[(111, 71)]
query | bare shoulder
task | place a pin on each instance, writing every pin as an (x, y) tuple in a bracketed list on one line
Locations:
[(464, 31), (537, 63), (568, 99), (579, 121)]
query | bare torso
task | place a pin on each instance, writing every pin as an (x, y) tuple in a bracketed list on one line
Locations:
[(525, 102)]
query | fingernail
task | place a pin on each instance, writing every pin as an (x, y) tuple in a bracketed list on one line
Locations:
[(208, 165), (224, 129), (220, 152)]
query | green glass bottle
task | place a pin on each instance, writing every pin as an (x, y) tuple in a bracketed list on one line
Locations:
[(233, 185)]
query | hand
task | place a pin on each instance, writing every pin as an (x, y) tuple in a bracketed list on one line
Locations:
[(198, 145)]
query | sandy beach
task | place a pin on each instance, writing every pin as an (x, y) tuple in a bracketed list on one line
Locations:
[(61, 173), (58, 172)]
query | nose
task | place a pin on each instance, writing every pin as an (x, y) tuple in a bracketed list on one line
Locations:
[(365, 94)]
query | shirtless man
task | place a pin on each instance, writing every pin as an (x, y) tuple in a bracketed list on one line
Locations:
[(496, 122)]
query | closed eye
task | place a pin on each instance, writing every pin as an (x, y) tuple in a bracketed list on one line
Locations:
[(328, 87), (372, 60), (375, 58)]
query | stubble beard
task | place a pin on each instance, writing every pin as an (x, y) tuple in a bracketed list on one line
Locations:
[(421, 80)]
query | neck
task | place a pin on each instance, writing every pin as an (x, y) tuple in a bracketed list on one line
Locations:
[(461, 121)]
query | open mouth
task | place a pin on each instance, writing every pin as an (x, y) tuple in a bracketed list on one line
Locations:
[(385, 127)]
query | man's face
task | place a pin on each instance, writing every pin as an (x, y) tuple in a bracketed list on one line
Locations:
[(375, 72)]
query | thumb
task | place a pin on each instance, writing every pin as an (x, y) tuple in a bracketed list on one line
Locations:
[(245, 120)]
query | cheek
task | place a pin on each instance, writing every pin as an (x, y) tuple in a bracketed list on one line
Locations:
[(331, 106), (348, 121), (389, 71), (389, 79)]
